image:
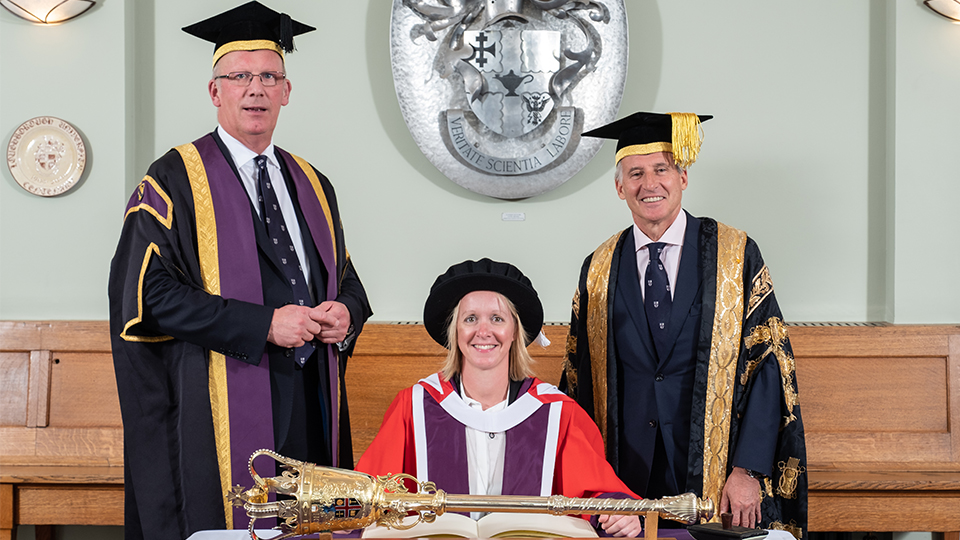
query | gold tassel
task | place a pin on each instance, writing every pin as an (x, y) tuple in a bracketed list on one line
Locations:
[(686, 136)]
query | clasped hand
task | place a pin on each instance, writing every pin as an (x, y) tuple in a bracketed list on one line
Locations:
[(292, 326)]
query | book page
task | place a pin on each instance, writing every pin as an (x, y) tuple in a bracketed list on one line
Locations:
[(508, 524), (501, 524)]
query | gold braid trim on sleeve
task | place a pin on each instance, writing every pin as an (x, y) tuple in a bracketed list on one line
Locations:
[(167, 219), (569, 371), (210, 274), (752, 366), (346, 260), (791, 470), (760, 288), (724, 351), (774, 334), (766, 488), (125, 334), (791, 528), (576, 303), (598, 285)]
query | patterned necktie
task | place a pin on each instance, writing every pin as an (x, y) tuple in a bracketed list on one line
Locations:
[(657, 301), (280, 237)]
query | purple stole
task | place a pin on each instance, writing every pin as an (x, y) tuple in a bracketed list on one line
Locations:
[(531, 427), (231, 223)]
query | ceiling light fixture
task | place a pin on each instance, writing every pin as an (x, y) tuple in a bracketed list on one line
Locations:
[(47, 11), (949, 9)]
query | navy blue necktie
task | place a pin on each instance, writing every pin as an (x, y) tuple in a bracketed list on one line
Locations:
[(280, 237), (657, 301)]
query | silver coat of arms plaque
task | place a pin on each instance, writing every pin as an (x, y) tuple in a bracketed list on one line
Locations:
[(497, 92)]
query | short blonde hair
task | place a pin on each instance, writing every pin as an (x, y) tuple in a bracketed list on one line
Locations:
[(521, 363)]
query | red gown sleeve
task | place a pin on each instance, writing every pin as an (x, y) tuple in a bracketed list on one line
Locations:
[(392, 450), (582, 469)]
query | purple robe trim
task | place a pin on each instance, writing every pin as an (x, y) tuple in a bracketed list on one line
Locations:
[(150, 198), (523, 454), (446, 448), (248, 386), (315, 216)]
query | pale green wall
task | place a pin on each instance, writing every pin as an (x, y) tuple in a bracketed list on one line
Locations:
[(55, 252), (927, 168), (834, 145)]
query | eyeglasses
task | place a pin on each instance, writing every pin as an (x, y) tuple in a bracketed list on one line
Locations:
[(244, 78)]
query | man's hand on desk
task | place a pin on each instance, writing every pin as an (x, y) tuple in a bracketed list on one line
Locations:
[(741, 497), (621, 525)]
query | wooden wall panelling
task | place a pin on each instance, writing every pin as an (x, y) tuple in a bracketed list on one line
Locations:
[(15, 367), (7, 520), (38, 402), (874, 397), (71, 505), (866, 510), (881, 410)]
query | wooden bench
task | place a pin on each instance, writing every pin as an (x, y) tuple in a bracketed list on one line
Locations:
[(61, 438), (881, 410)]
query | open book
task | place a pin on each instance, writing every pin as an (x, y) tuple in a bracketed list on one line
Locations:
[(494, 525)]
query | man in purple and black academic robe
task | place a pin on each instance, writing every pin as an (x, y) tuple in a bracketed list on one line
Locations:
[(233, 301)]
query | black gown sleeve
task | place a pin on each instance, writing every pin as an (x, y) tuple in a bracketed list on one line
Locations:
[(232, 327), (162, 293), (354, 297)]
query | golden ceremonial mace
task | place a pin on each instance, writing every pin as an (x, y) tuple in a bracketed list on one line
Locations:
[(325, 499)]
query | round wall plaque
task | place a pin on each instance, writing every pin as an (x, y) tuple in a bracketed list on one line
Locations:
[(46, 156), (496, 92)]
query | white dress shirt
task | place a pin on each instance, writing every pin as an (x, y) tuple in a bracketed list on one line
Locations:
[(485, 454), (670, 256), (243, 158)]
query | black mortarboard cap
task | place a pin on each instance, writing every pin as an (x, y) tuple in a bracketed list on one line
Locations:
[(646, 133), (250, 27), (483, 275)]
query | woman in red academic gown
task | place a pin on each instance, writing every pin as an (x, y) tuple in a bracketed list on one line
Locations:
[(484, 424)]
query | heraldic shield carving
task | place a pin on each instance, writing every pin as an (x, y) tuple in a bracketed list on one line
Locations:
[(497, 92)]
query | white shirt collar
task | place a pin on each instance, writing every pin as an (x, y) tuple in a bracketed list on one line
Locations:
[(672, 236), (474, 404), (241, 154)]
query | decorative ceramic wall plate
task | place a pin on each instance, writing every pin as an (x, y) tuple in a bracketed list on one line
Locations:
[(46, 156)]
